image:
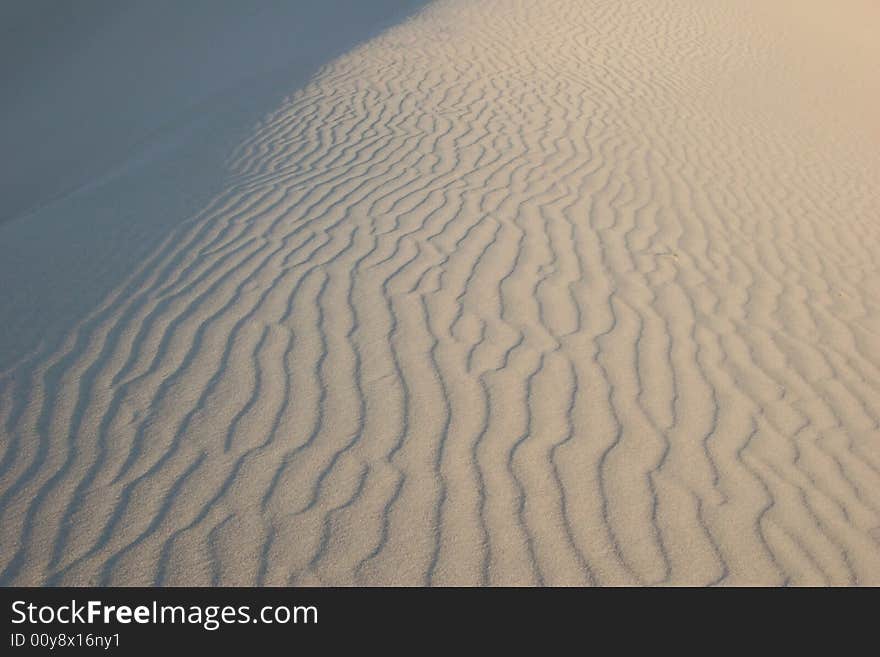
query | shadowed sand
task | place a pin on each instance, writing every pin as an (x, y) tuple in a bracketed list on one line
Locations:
[(547, 292)]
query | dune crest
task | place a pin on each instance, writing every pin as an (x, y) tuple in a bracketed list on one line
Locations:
[(514, 293)]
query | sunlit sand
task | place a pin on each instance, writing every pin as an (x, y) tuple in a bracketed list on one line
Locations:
[(505, 293)]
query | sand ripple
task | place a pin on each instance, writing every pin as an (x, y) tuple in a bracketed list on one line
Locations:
[(516, 293)]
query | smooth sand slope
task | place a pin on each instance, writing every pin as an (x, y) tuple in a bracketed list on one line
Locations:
[(84, 82), (546, 292)]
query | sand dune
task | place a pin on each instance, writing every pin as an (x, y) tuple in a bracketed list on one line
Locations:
[(549, 292)]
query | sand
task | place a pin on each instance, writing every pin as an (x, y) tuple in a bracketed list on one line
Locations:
[(510, 293)]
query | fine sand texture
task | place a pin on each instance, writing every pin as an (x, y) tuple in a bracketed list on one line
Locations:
[(546, 292)]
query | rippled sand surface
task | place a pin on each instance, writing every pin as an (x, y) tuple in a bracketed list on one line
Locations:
[(547, 292)]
